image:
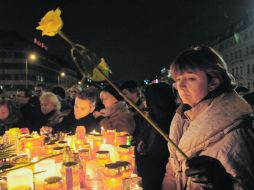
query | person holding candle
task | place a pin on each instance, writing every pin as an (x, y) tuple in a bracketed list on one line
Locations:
[(85, 103), (212, 126), (116, 114)]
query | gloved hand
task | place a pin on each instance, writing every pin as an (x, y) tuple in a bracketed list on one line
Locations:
[(209, 172)]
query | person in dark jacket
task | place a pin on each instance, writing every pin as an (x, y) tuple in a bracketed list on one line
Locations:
[(151, 162), (85, 103), (9, 116)]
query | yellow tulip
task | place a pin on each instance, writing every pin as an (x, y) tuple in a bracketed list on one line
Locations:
[(104, 68), (51, 23)]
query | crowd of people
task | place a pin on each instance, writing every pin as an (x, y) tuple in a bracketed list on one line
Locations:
[(203, 112)]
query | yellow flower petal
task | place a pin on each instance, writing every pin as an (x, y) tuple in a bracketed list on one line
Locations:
[(104, 68), (51, 23)]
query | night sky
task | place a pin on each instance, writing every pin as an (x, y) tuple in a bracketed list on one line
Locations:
[(136, 37)]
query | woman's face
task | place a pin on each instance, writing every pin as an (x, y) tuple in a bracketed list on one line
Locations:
[(192, 86), (47, 106), (4, 112)]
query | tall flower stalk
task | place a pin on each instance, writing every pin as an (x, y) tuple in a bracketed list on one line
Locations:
[(90, 66)]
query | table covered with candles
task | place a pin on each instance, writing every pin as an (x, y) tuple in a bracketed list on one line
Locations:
[(80, 161)]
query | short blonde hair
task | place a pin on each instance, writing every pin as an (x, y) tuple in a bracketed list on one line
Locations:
[(52, 98)]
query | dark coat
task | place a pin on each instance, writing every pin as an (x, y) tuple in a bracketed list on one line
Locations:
[(89, 122), (161, 106), (12, 121)]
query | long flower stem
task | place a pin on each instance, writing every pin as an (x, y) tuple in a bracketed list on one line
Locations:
[(151, 122), (66, 38)]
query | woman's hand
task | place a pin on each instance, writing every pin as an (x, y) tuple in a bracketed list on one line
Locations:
[(208, 172), (45, 130), (97, 114)]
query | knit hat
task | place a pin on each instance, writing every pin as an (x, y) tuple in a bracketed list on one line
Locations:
[(113, 92), (130, 84), (59, 91)]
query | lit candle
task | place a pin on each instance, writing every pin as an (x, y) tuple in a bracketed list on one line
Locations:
[(54, 183), (47, 167), (20, 177), (121, 138), (70, 172), (114, 156), (81, 133), (102, 131), (125, 154), (102, 157), (112, 176), (110, 137), (71, 141), (125, 168)]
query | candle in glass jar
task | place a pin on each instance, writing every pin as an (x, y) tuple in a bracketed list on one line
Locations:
[(125, 153), (49, 147), (112, 177), (112, 151), (24, 176), (97, 141), (70, 172), (81, 133), (121, 138), (110, 137), (47, 169), (125, 168), (58, 150), (71, 141), (102, 157), (62, 143), (53, 183)]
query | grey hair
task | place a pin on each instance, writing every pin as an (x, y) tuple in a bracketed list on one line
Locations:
[(52, 98)]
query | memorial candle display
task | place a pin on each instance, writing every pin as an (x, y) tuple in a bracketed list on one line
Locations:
[(109, 168)]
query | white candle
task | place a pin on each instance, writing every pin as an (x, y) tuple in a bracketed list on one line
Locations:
[(112, 151), (48, 168), (20, 177)]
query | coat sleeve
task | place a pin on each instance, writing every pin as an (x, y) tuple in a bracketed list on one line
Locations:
[(124, 122), (169, 182), (236, 155)]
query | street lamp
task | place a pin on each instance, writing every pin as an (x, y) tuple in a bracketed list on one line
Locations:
[(62, 74), (31, 57)]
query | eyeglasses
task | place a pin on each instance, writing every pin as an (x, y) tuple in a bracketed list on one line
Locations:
[(20, 96), (37, 91)]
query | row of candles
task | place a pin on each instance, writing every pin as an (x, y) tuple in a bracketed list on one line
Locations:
[(94, 161)]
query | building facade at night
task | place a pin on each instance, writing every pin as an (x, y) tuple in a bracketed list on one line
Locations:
[(19, 69), (237, 48)]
